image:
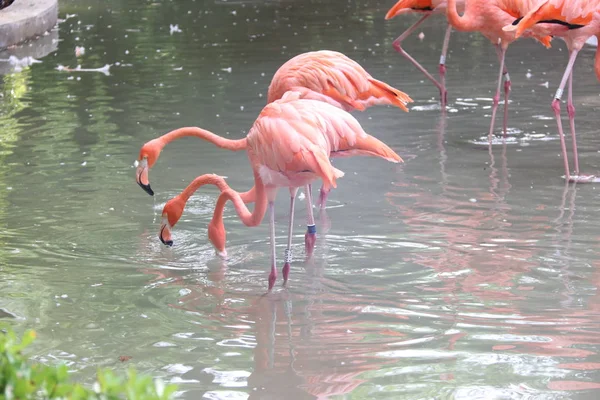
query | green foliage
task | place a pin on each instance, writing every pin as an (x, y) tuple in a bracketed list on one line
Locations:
[(21, 380)]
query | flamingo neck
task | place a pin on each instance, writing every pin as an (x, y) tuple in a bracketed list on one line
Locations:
[(219, 141), (208, 179), (246, 197), (258, 194), (468, 21)]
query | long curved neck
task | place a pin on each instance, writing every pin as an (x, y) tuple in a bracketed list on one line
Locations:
[(219, 141), (256, 194), (465, 23), (246, 197), (207, 179)]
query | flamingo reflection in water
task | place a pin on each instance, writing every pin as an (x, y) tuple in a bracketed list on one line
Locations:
[(489, 258), (307, 345)]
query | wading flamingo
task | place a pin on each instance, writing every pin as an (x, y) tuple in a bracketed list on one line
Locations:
[(489, 17), (427, 8), (323, 75), (334, 78), (289, 145), (575, 21)]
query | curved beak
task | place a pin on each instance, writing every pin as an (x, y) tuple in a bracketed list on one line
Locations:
[(141, 177), (165, 233)]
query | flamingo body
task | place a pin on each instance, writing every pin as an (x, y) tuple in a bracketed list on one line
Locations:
[(489, 17), (575, 21), (332, 77), (426, 8), (288, 146)]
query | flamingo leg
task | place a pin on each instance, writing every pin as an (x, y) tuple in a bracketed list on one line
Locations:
[(507, 87), (398, 47), (571, 112), (502, 53), (273, 274), (443, 91), (556, 108), (288, 251), (310, 236)]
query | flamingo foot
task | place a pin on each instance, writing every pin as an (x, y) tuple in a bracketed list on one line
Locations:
[(309, 242), (584, 179), (286, 272), (272, 277)]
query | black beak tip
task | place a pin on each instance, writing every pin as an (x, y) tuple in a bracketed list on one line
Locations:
[(147, 188), (166, 242)]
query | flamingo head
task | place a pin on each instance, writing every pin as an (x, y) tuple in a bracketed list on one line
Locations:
[(148, 155), (217, 236), (170, 216)]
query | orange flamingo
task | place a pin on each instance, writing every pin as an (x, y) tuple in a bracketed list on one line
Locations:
[(489, 18), (575, 21), (427, 8), (288, 146), (336, 79), (323, 75)]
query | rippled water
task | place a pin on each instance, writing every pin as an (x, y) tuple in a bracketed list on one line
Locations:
[(468, 272)]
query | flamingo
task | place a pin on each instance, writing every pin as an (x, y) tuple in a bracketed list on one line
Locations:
[(427, 8), (575, 21), (489, 18), (324, 75), (289, 145)]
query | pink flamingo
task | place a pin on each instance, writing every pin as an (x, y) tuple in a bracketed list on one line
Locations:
[(324, 75), (489, 17), (575, 21), (288, 146), (427, 8)]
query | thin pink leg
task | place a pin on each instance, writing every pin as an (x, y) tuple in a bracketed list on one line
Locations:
[(507, 85), (273, 274), (556, 108), (310, 237), (398, 47), (287, 259), (443, 91), (497, 95), (571, 111)]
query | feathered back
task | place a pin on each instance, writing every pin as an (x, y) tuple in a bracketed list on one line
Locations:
[(326, 73), (298, 135), (409, 6), (579, 12)]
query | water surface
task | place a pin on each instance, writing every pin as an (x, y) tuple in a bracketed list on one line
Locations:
[(470, 271)]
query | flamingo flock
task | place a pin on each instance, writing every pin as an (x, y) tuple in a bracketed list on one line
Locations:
[(307, 119)]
